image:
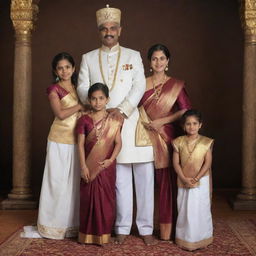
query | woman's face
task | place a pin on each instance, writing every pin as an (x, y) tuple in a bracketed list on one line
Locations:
[(64, 70), (159, 61)]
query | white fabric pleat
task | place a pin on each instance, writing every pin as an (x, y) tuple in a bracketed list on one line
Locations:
[(194, 221), (58, 214)]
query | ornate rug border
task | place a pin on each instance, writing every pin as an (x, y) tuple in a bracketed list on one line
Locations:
[(236, 224), (9, 247)]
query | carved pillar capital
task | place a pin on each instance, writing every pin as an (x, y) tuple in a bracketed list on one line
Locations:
[(23, 15), (248, 16)]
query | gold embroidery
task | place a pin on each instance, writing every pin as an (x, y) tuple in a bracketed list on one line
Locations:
[(116, 69), (193, 245), (165, 230), (191, 162), (93, 239), (142, 138), (108, 136), (158, 89), (57, 233), (99, 127), (63, 131)]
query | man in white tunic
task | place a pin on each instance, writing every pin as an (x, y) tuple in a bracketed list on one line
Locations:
[(121, 69)]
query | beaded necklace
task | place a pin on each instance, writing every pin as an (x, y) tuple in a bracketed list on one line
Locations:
[(194, 144), (99, 129), (115, 74), (157, 91)]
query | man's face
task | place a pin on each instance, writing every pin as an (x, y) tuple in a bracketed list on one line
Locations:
[(109, 33)]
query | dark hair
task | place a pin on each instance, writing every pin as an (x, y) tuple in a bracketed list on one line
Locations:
[(69, 58), (158, 47), (191, 112), (98, 87)]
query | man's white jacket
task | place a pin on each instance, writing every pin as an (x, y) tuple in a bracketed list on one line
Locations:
[(125, 93)]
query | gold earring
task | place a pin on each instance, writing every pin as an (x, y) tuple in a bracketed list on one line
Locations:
[(166, 68)]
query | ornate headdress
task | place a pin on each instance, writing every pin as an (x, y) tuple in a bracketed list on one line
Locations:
[(108, 15)]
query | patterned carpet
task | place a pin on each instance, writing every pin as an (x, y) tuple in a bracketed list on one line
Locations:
[(231, 238)]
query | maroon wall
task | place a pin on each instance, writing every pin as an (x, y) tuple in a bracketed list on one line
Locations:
[(206, 42)]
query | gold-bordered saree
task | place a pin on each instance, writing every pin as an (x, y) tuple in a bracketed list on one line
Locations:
[(172, 98), (151, 109), (97, 198)]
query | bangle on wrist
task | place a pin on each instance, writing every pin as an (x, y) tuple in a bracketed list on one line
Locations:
[(196, 179), (121, 111)]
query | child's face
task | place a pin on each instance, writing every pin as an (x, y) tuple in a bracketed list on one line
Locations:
[(64, 70), (98, 100), (192, 125)]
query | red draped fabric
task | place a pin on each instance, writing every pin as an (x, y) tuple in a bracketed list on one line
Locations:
[(58, 89), (97, 198), (173, 97)]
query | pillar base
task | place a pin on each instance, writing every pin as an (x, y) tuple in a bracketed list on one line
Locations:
[(11, 204), (238, 204)]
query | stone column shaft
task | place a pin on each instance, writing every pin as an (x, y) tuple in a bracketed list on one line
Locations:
[(22, 118), (23, 15), (249, 124), (246, 199)]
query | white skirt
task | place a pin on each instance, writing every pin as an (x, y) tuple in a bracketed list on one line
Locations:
[(194, 228), (58, 215)]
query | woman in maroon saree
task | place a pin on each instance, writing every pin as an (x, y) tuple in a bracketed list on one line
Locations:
[(99, 143), (163, 103)]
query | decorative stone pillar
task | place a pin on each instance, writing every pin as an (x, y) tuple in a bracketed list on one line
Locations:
[(23, 15), (246, 199)]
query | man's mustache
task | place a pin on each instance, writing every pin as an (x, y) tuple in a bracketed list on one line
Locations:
[(106, 36)]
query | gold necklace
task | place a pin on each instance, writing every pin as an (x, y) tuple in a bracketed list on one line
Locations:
[(115, 74), (194, 143), (99, 130), (157, 91), (190, 152)]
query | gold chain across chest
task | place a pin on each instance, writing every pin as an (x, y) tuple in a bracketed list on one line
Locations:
[(158, 90), (116, 69), (99, 128), (191, 151), (193, 144)]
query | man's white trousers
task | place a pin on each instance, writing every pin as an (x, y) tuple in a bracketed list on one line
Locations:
[(144, 187)]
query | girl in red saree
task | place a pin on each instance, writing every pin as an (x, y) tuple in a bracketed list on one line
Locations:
[(164, 102), (99, 143)]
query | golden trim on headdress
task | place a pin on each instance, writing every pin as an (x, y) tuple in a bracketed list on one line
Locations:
[(108, 15)]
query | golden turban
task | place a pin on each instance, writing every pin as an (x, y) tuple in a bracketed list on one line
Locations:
[(108, 15)]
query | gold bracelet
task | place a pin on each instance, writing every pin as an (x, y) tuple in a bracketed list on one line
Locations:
[(196, 179)]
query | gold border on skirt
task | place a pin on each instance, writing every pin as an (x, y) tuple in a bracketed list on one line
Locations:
[(93, 239), (190, 246)]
